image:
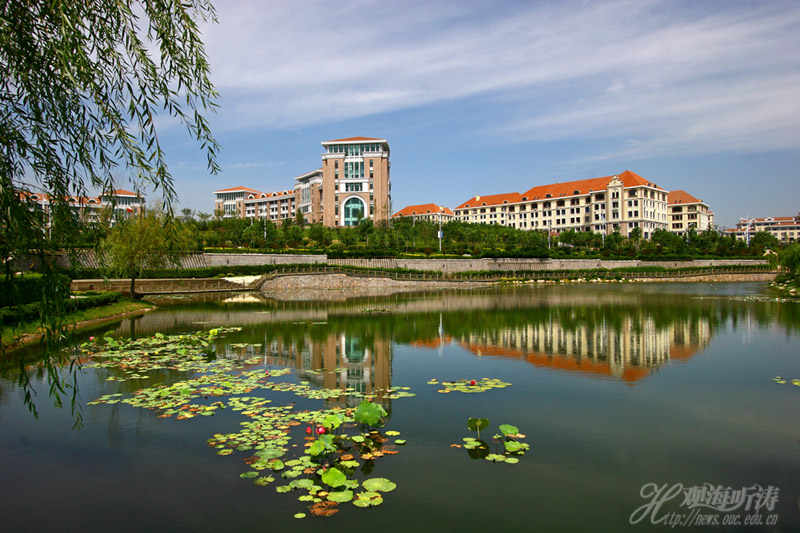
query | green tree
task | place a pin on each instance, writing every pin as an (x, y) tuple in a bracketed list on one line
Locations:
[(789, 258), (83, 83), (149, 240)]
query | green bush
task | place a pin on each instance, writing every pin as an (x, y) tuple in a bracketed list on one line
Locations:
[(21, 290), (29, 311)]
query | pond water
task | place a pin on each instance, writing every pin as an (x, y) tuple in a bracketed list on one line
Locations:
[(620, 390)]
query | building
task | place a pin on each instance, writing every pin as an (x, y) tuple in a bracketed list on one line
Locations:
[(119, 203), (785, 229), (429, 212), (353, 183), (612, 203), (686, 211), (308, 196)]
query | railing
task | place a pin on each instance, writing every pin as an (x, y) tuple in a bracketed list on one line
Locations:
[(504, 276)]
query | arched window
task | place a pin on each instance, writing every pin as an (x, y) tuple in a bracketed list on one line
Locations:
[(353, 211)]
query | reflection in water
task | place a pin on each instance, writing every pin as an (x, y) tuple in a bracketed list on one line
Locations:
[(627, 349), (332, 360)]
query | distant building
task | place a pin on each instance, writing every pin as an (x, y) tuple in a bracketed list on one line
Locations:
[(429, 212), (612, 203), (244, 202), (121, 204), (785, 229), (686, 211), (353, 183)]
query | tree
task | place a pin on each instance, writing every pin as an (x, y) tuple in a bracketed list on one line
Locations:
[(149, 240), (789, 258), (81, 86)]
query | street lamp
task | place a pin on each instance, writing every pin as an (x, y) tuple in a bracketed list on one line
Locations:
[(747, 222), (441, 210)]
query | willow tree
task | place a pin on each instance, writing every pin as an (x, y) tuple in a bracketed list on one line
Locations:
[(82, 84)]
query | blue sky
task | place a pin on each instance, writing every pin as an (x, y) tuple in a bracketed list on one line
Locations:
[(493, 97)]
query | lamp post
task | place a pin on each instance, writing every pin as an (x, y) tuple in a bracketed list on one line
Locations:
[(747, 222), (441, 209)]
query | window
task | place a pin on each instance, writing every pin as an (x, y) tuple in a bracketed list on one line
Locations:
[(353, 211), (352, 187)]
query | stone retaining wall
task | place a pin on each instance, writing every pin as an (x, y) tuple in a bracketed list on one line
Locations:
[(449, 266)]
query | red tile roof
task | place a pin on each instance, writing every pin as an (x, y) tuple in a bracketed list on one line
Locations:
[(354, 139), (570, 188), (559, 190), (240, 188), (492, 199), (682, 197), (123, 192), (422, 209)]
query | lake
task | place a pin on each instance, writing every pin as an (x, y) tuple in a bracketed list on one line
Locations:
[(656, 404)]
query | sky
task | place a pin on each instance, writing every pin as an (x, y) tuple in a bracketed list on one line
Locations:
[(499, 96)]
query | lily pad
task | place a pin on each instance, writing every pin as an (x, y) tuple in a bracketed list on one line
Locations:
[(341, 496), (508, 429), (333, 477), (378, 484), (368, 499)]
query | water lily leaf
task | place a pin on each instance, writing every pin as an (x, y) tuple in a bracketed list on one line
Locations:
[(248, 475), (378, 484), (263, 481), (369, 413), (301, 484), (300, 515), (332, 422), (276, 465), (495, 458), (512, 460), (368, 499), (350, 484), (392, 433), (341, 496), (513, 446), (306, 498), (477, 424), (283, 488), (333, 477), (400, 442), (508, 429)]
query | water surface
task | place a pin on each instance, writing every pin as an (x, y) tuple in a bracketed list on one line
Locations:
[(615, 386)]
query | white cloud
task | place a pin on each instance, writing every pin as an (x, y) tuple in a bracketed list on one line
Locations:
[(669, 75)]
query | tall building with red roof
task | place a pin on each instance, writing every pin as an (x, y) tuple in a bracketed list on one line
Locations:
[(687, 212), (352, 184), (355, 181), (621, 203)]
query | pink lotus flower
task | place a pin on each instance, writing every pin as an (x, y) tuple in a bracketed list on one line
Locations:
[(308, 430), (472, 382), (320, 431), (91, 338)]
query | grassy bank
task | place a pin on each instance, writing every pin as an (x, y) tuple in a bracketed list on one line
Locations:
[(28, 331)]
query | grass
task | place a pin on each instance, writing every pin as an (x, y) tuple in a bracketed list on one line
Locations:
[(24, 332)]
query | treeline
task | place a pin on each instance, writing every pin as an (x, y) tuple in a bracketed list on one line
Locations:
[(405, 236)]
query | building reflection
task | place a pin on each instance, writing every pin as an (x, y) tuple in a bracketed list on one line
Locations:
[(628, 349), (336, 361)]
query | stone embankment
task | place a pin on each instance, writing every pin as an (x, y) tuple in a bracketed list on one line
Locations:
[(446, 266)]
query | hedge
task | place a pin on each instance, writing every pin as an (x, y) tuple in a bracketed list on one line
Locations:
[(21, 290), (30, 311)]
